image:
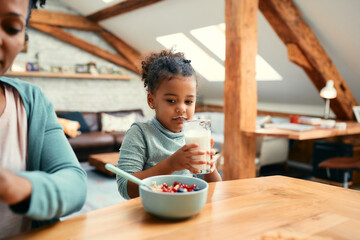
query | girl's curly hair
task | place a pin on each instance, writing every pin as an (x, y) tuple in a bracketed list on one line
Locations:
[(164, 65)]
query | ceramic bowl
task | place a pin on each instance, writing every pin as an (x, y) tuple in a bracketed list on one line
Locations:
[(174, 205)]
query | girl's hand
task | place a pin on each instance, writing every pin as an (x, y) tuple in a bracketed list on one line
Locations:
[(184, 158), (214, 175), (212, 160)]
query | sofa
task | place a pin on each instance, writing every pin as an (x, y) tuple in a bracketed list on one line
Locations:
[(93, 137), (269, 150)]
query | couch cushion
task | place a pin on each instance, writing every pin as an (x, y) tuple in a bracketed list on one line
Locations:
[(92, 139), (75, 116), (112, 123), (70, 127), (91, 118), (121, 113)]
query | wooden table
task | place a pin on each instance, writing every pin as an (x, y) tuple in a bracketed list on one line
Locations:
[(352, 128), (238, 209)]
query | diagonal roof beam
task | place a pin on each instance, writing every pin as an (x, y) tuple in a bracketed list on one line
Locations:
[(305, 50), (122, 47), (120, 8), (84, 45), (56, 19), (63, 20)]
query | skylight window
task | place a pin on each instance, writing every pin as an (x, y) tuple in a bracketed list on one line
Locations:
[(202, 62), (213, 38)]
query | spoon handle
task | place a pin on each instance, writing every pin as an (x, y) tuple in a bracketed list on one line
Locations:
[(124, 174)]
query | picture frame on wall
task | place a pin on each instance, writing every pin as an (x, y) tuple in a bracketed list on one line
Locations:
[(356, 110), (92, 68), (32, 67), (81, 68)]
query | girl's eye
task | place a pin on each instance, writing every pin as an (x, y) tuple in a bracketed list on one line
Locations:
[(170, 100), (189, 102)]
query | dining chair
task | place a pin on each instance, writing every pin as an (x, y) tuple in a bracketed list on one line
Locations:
[(345, 163)]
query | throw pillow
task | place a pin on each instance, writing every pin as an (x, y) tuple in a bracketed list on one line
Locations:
[(76, 116), (70, 127), (112, 123)]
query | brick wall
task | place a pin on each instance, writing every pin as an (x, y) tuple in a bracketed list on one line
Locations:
[(80, 94)]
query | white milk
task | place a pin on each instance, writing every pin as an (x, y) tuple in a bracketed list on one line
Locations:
[(203, 139)]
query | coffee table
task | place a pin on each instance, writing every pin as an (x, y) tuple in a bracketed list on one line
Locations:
[(99, 160)]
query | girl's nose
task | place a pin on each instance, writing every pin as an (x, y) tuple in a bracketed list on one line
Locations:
[(181, 108)]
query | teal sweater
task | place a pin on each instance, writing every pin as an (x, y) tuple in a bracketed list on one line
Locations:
[(58, 182), (144, 146)]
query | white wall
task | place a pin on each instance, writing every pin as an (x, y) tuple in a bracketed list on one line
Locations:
[(81, 94)]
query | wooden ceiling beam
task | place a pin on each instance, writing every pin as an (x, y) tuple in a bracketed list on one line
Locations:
[(120, 8), (63, 20), (84, 45), (240, 90), (122, 47), (305, 50)]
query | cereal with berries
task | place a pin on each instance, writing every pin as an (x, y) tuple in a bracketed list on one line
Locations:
[(175, 188)]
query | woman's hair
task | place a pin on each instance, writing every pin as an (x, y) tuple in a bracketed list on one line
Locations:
[(33, 5), (164, 65)]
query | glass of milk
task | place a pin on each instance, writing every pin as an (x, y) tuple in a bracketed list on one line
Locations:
[(198, 131)]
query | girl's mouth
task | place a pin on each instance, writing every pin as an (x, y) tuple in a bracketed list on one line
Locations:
[(180, 118)]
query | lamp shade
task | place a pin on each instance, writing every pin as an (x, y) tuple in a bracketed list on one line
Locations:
[(328, 92)]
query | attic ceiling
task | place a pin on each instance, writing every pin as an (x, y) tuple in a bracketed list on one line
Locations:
[(335, 23)]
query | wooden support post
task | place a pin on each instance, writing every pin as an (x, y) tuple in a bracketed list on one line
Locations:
[(240, 91)]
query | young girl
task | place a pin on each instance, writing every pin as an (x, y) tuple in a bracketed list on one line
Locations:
[(157, 146)]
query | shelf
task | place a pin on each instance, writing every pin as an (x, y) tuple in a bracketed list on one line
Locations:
[(66, 75)]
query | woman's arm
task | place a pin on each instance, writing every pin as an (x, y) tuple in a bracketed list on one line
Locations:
[(58, 182), (13, 188)]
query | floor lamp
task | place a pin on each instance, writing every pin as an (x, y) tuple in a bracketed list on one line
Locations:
[(328, 92)]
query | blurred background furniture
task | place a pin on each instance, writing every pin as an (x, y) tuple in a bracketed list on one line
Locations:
[(100, 159), (269, 150), (93, 139), (346, 163)]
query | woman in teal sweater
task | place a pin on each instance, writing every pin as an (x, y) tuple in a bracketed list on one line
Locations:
[(40, 176)]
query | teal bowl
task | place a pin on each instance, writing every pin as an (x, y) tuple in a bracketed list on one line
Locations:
[(174, 205)]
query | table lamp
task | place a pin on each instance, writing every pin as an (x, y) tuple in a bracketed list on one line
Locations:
[(328, 92)]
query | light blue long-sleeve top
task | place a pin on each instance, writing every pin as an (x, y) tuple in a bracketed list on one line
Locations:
[(58, 182), (144, 146)]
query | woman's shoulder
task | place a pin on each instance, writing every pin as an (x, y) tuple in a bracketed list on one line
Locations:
[(22, 87), (18, 84), (31, 95)]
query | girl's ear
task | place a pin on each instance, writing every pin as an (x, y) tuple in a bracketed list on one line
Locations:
[(150, 100)]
